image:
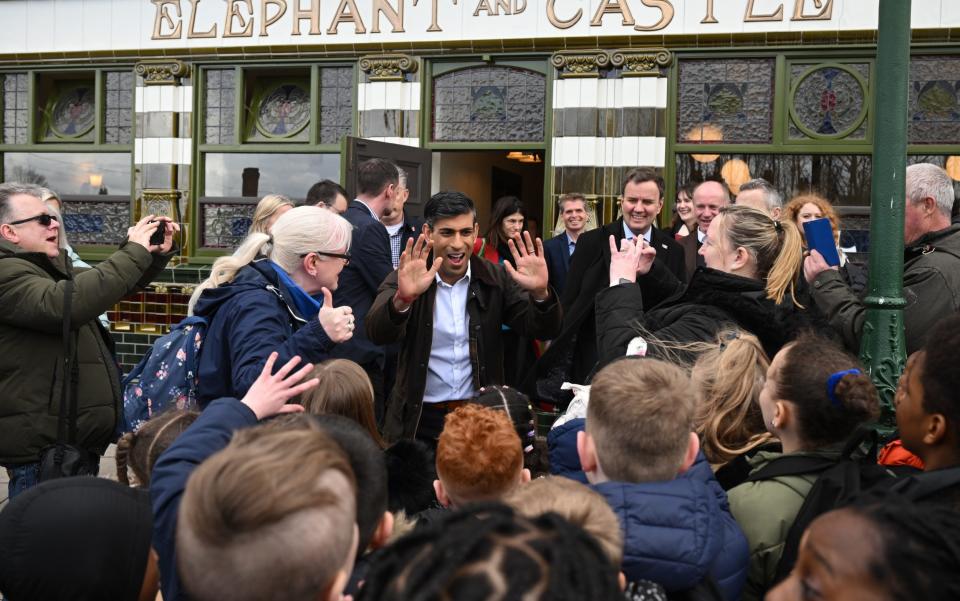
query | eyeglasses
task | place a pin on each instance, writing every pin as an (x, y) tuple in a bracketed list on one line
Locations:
[(43, 219), (345, 256)]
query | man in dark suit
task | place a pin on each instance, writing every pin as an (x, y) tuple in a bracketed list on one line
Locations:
[(573, 353), (708, 198), (377, 187), (573, 212)]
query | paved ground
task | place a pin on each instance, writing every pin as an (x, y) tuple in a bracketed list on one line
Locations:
[(108, 469)]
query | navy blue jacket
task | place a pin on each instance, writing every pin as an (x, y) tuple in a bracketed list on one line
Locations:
[(209, 434), (557, 253), (562, 449), (676, 532), (370, 263), (247, 322)]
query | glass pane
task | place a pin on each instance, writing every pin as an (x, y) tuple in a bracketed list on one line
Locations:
[(829, 101), (489, 104), (15, 115), (71, 173), (254, 175), (219, 105), (70, 112), (933, 105), (280, 111), (225, 225), (99, 222), (336, 104), (118, 107), (726, 101)]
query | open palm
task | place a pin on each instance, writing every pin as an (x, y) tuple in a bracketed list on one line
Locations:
[(531, 271), (413, 275)]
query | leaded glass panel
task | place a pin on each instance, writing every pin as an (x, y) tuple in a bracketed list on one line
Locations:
[(225, 225), (96, 222), (220, 101), (15, 111), (336, 104), (489, 104), (280, 111), (933, 103), (829, 101), (118, 108), (728, 100)]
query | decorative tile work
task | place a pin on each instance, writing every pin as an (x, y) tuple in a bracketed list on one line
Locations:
[(220, 102), (388, 67), (336, 104), (118, 108), (15, 108), (933, 105), (734, 96), (489, 104), (829, 100), (96, 222), (225, 225)]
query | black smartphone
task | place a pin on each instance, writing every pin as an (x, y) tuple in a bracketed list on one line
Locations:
[(157, 237)]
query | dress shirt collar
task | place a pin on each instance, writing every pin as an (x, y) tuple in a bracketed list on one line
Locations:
[(466, 277), (629, 235)]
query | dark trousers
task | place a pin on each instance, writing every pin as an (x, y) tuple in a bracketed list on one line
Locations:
[(375, 373), (432, 417)]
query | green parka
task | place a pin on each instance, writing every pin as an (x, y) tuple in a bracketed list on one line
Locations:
[(31, 345)]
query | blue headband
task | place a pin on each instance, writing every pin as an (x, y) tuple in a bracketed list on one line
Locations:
[(832, 382)]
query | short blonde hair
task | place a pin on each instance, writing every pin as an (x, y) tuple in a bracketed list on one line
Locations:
[(272, 516), (266, 208), (640, 417), (577, 504)]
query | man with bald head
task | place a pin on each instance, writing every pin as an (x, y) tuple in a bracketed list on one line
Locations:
[(708, 198)]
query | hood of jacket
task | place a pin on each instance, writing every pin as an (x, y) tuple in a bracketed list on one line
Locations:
[(255, 276), (679, 531), (562, 449)]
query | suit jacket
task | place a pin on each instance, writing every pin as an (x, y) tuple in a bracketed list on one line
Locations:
[(558, 260), (370, 263), (691, 253), (573, 354), (412, 228)]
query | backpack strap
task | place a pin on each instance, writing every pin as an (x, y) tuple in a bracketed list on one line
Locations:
[(792, 465), (926, 484), (67, 418)]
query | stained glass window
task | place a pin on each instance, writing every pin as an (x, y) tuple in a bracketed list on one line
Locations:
[(15, 112), (96, 222), (829, 101), (336, 104), (225, 225), (280, 111), (219, 109), (489, 104), (726, 101), (933, 106), (118, 111), (70, 111)]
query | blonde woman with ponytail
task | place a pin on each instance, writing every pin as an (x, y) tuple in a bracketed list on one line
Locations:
[(261, 299), (752, 263)]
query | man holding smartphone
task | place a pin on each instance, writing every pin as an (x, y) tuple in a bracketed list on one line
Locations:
[(33, 272)]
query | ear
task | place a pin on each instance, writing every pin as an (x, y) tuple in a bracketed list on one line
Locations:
[(776, 213), (476, 229), (587, 451), (930, 205), (9, 233), (693, 447), (936, 429), (524, 476), (782, 415), (742, 257), (441, 493), (309, 267), (384, 529), (426, 230)]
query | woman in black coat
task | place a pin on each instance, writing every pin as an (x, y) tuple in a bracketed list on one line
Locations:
[(752, 264)]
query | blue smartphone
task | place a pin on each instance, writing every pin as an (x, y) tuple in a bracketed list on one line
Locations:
[(820, 238)]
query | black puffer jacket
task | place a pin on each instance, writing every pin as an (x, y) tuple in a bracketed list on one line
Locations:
[(711, 301)]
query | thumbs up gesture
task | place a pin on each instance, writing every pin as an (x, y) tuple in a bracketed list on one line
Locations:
[(337, 322)]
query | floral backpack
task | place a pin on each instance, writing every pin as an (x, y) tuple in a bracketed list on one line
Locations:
[(166, 377)]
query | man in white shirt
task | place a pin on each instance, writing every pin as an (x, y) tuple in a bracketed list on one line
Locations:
[(708, 198), (446, 308)]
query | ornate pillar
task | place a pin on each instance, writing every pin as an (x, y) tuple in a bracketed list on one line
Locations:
[(388, 99)]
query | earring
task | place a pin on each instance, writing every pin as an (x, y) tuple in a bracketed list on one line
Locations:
[(773, 423)]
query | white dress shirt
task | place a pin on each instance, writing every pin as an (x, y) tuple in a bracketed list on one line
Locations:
[(449, 371), (629, 235)]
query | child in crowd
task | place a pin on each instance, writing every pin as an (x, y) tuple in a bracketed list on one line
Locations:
[(885, 552), (271, 516), (517, 405), (479, 457), (138, 451), (814, 398), (77, 538), (344, 389), (488, 553), (639, 451), (928, 416)]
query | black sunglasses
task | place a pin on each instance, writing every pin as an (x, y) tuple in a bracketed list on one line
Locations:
[(43, 219), (345, 257)]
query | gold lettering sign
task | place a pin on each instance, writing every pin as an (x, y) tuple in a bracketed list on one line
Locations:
[(825, 14), (162, 16), (434, 25), (749, 17), (666, 15), (266, 20), (709, 18), (347, 13), (193, 33), (395, 16), (233, 13), (615, 7), (557, 21), (313, 14)]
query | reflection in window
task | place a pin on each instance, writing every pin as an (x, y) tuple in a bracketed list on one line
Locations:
[(95, 188), (829, 101), (726, 100), (218, 116), (933, 105), (489, 104), (15, 113), (118, 112), (336, 104)]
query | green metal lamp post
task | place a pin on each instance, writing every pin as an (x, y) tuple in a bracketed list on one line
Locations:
[(882, 346)]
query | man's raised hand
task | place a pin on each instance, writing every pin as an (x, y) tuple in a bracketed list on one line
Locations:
[(270, 392), (413, 275), (531, 271)]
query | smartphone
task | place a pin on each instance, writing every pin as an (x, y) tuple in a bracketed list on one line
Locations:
[(157, 237), (820, 238)]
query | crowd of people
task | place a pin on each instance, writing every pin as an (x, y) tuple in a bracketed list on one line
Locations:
[(390, 407)]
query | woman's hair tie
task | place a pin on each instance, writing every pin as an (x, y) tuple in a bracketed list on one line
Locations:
[(778, 226), (832, 382)]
